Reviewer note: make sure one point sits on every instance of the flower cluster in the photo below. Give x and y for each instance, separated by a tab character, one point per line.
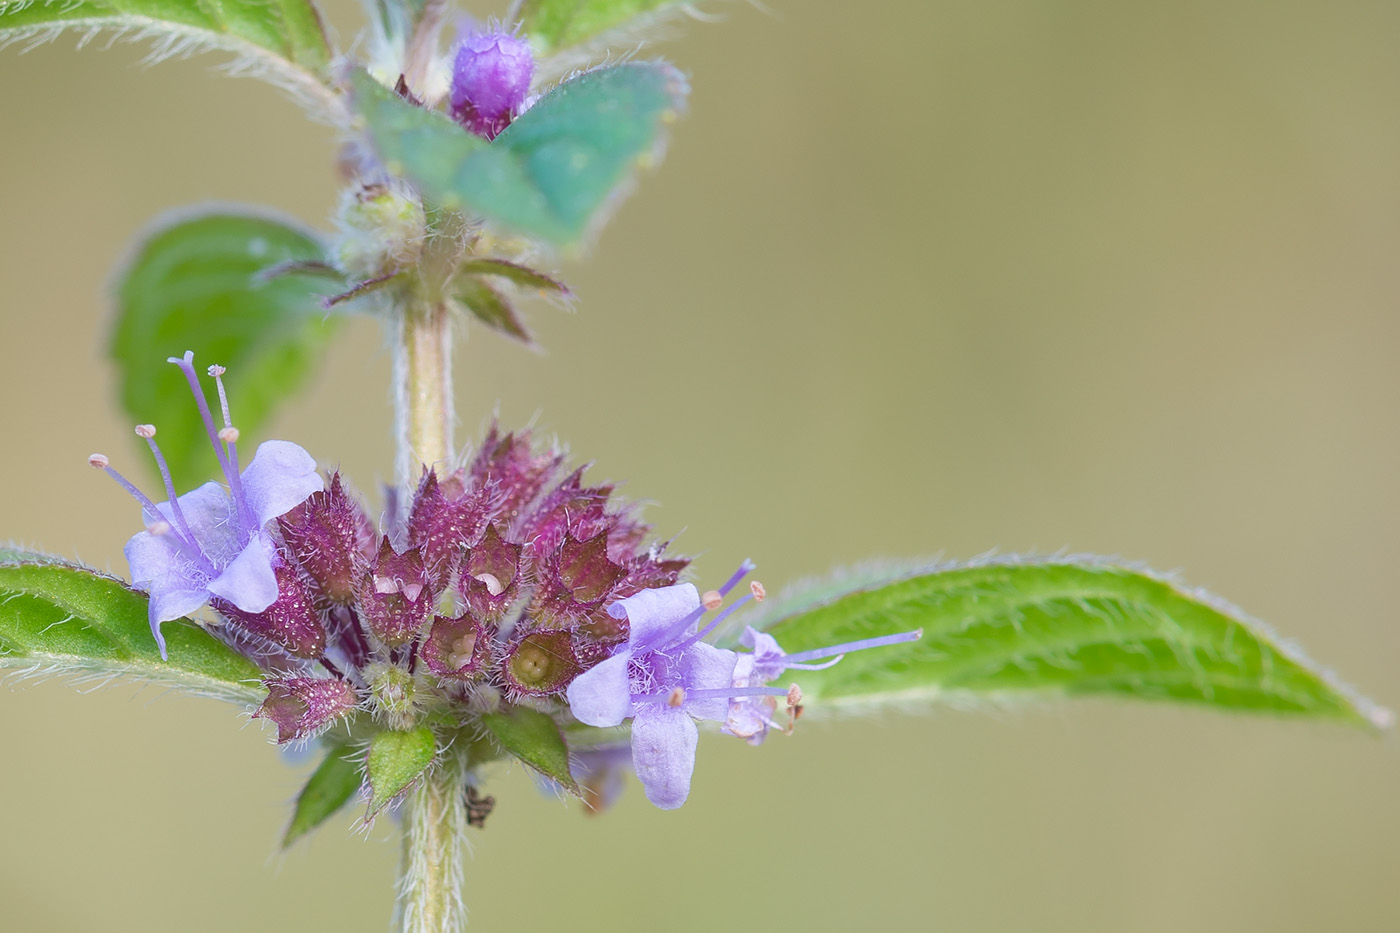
506	582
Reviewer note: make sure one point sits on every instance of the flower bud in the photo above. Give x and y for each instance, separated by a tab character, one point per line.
491	75
302	706
381	231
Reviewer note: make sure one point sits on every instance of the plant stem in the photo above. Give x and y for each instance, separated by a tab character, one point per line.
423	374
434	850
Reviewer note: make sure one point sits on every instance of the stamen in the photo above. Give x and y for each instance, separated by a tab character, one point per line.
228	462
99	461
714	623
711	600
758	591
156	529
719	693
744	570
818	653
677	698
794	696
147	506
229	435
148	433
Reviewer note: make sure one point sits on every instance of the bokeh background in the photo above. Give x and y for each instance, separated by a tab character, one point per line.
914	279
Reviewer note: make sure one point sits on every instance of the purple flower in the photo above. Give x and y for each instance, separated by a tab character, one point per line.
663	679
751	716
491	74
213	541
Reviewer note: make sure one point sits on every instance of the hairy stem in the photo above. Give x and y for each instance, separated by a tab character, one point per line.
423	373
434	850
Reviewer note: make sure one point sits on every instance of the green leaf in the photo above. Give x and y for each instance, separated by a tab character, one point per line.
492	308
517	274
195	284
330	787
1007	628
555	24
264	31
395	760
63	618
553	173
535	739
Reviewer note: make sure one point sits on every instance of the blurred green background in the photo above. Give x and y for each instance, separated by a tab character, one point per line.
914	279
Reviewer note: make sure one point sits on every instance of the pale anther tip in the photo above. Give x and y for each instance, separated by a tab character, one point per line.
216	371
229	435
711	600
158	528
794	695
99	461
676	698
758	591
147	431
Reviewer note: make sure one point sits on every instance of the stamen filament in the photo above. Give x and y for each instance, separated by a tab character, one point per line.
186	364
148	433
714	623
745	568
714	694
818	653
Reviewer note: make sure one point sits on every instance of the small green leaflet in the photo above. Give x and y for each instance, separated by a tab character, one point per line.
268	30
556	24
395	761
1008	628
535	739
194	284
328	789
66	619
556	171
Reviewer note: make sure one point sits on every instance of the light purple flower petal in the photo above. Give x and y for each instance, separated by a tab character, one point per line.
600	695
663	752
209	510
281	476
705	667
249	581
652	612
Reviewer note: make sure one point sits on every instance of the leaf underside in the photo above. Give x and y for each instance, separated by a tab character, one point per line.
59	618
556	171
330	787
557	24
287	29
535	739
395	761
195	284
1011	628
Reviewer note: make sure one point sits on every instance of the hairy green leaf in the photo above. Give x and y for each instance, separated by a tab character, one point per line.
556	24
396	759
329	788
64	619
552	174
1071	627
195	284
535	739
492	308
283	36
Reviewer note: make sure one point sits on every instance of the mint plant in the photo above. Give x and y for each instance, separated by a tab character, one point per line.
502	607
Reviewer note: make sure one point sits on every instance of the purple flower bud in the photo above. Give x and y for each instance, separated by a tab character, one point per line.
303	706
491	75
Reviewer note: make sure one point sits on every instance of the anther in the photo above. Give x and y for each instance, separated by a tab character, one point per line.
216	371
158	528
712	600
98	461
147	431
676	698
758	591
794	697
229	435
